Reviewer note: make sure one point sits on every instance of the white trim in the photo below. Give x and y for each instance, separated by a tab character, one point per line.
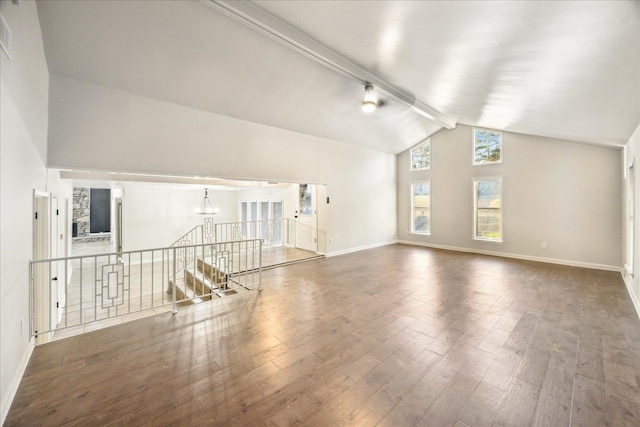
629	217
485	239
15	382
635	299
629	269
517	256
473	147
360	248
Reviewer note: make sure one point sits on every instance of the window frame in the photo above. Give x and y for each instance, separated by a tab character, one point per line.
473	147
411	209
415	147
475	209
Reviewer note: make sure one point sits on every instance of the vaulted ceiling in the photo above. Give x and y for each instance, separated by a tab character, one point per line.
567	70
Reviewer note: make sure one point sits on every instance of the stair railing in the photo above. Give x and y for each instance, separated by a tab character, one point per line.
273	232
101	287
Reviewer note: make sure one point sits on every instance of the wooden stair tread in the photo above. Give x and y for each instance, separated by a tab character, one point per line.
199	276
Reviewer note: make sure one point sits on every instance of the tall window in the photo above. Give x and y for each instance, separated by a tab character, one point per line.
100	211
421	156
487	146
421	207
487	223
631	210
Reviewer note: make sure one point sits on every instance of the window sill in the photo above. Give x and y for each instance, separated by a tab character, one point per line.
487	163
480	239
419	234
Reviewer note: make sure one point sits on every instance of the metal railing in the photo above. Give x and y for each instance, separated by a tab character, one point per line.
273	232
105	286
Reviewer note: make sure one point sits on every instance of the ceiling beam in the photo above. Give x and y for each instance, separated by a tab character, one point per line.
258	19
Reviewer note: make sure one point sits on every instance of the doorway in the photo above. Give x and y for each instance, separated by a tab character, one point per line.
44	292
307	221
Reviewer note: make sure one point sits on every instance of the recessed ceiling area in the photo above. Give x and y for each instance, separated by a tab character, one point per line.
115	180
568	70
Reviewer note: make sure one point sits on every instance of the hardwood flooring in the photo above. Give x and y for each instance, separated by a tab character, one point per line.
147	284
394	336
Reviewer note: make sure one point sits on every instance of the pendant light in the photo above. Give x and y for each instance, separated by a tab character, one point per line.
206	208
369	103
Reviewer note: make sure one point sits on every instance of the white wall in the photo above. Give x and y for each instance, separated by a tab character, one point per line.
93	127
23	150
563	193
631	154
155	216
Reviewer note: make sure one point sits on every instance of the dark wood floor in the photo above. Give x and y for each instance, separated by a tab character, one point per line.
395	336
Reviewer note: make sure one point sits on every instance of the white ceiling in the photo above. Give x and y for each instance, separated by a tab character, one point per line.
96	179
568	70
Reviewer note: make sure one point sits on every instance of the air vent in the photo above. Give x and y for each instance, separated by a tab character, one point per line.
5	36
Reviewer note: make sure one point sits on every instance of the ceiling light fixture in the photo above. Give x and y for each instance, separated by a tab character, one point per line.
369	103
206	208
270	26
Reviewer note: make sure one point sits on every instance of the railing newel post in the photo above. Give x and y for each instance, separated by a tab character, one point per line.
260	268
174	290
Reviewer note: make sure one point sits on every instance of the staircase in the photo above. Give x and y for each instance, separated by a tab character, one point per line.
202	283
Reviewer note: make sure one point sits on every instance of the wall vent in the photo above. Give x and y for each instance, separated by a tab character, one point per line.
5	36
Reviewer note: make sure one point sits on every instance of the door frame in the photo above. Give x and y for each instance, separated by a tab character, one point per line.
40	289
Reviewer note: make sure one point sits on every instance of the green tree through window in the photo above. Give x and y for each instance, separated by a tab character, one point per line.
487	146
421	156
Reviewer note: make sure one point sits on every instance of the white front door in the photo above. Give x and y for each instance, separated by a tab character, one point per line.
306	223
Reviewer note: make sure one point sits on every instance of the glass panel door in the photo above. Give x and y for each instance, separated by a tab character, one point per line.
276	217
264	222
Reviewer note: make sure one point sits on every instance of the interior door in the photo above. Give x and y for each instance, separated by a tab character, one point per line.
42	298
56	315
265	226
253	220
306	223
276	218
63	272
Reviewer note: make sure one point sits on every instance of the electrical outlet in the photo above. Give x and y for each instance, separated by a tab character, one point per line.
543	245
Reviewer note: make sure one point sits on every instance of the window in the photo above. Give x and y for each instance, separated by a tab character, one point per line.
487	221
305	199
631	208
487	146
421	207
100	211
421	156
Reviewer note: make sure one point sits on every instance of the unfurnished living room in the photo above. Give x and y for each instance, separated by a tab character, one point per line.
393	213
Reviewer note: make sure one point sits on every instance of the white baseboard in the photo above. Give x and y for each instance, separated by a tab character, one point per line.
360	248
517	256
635	299
15	383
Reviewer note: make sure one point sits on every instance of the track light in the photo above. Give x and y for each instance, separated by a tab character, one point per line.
369	103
